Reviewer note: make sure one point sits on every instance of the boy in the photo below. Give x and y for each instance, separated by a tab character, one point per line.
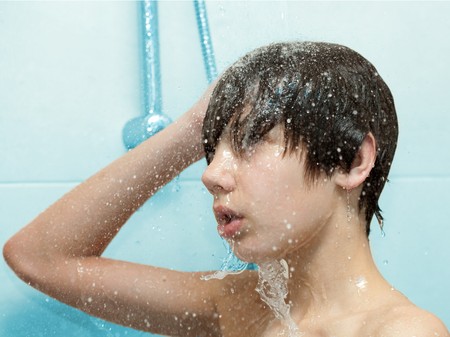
299	139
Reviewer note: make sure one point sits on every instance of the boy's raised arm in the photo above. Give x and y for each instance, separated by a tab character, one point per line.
59	251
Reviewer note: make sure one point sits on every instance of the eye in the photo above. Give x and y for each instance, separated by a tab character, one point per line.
250	151
275	135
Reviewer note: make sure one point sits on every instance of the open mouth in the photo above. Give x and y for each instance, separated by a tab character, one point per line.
225	215
229	222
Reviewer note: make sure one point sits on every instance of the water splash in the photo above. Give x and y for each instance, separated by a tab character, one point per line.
361	283
272	288
230	265
102	326
176	186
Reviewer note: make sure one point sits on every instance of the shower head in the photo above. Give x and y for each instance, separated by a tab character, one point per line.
138	129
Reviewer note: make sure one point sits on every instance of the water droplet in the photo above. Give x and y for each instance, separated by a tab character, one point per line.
361	283
230	265
222	10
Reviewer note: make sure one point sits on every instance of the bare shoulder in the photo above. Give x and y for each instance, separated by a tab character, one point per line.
241	311
410	321
238	289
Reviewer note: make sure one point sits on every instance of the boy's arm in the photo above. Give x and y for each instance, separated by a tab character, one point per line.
59	251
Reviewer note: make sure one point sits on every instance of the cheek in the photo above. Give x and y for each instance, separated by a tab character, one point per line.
299	208
275	185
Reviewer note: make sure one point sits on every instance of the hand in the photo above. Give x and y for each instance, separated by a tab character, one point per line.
191	122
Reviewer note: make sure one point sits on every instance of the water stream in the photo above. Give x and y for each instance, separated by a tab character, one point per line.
272	286
273	290
230	265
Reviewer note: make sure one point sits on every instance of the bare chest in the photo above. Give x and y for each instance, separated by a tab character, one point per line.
262	323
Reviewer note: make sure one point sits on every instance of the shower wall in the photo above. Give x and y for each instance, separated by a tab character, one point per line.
70	79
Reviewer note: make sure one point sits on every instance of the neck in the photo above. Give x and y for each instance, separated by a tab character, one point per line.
336	275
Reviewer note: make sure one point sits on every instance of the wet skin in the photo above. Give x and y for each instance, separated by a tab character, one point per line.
278	210
60	251
335	288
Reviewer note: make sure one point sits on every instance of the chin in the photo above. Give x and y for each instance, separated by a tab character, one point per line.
256	253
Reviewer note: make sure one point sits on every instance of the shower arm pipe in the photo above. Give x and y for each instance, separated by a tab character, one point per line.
153	120
151	60
205	40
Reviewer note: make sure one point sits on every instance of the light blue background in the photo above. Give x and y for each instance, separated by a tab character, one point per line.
70	80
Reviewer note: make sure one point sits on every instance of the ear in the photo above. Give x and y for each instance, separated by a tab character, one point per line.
361	166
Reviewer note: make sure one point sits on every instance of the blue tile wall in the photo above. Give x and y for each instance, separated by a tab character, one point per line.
70	79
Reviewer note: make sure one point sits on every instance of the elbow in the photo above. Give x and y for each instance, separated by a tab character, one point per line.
38	268
10	253
13	256
21	260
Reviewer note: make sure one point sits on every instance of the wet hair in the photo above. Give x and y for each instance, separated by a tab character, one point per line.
326	96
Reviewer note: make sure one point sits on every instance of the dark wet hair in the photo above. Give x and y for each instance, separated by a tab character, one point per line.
326	96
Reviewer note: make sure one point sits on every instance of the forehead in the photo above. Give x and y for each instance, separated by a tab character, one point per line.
276	133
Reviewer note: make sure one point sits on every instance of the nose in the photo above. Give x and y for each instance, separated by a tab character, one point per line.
219	176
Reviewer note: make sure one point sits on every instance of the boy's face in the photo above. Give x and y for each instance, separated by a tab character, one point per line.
262	201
